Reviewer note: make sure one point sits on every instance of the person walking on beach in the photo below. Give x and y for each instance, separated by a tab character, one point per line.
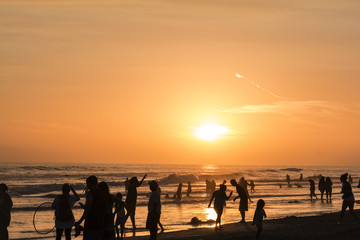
259	215
131	199
328	188
120	216
188	191
301	177
94	212
179	193
220	199
359	184
322	187
110	200
154	210
64	217
312	189
348	198
5	208
243	206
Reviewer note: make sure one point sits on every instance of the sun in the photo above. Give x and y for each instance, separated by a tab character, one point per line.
210	132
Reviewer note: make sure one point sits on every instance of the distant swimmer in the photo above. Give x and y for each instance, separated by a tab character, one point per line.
312	189
252	186
189	190
350	179
179	193
288	180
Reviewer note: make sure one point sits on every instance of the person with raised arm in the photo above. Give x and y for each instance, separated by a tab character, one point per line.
131	199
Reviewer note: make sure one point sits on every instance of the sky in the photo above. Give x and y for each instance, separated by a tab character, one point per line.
129	81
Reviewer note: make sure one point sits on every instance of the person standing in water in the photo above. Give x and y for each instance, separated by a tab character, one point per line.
64	217
243	206
131	199
259	215
328	189
188	191
179	193
322	187
348	198
5	207
312	189
154	210
220	199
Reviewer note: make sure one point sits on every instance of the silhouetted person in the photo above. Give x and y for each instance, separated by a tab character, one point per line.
64	217
131	199
288	180
109	229
322	187
207	182
312	189
328	188
359	184
127	182
154	210
188	191
5	207
301	177
120	216
94	212
350	179
243	206
213	186
179	192
244	184
161	226
220	199
348	198
252	186
259	215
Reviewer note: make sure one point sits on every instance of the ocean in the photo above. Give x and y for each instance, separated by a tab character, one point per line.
32	185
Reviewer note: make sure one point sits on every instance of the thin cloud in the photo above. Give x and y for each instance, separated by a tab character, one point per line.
260	87
292	107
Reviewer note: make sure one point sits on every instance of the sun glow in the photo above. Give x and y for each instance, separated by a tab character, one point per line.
210	132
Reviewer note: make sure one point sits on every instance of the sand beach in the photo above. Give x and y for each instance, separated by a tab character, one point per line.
317	227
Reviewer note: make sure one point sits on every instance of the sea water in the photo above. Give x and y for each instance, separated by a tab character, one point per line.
31	185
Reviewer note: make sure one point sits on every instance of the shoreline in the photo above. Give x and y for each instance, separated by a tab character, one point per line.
319	227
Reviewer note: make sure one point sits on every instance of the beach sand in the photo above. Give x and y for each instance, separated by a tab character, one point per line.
317	227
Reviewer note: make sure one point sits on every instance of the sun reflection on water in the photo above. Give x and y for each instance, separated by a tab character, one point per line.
209	168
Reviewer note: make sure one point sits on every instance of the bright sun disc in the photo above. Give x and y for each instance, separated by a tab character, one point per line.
210	132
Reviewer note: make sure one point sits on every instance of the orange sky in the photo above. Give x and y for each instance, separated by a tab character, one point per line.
127	81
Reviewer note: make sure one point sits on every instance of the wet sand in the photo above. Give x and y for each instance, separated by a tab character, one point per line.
318	227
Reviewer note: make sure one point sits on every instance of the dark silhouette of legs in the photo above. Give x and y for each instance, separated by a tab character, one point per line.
259	229
242	212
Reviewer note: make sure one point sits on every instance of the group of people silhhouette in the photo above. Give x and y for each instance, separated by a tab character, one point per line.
98	215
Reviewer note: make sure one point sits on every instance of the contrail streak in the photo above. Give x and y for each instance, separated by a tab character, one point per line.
262	88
